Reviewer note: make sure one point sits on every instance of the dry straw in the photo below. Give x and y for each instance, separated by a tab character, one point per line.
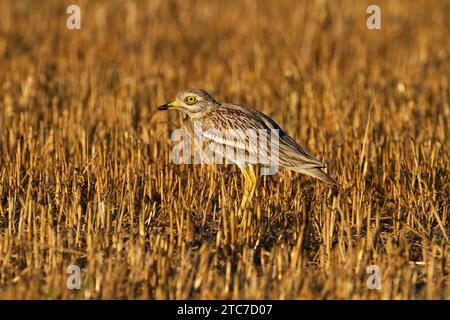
86	175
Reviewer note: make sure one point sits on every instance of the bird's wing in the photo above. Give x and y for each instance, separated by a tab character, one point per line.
290	152
242	119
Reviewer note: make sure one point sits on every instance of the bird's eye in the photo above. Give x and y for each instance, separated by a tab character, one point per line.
191	100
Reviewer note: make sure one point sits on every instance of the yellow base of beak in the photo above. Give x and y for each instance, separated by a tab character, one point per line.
168	106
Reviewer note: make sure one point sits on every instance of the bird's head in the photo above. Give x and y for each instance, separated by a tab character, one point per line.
193	102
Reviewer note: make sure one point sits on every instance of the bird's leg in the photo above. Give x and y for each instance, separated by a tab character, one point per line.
249	189
247	186
253	181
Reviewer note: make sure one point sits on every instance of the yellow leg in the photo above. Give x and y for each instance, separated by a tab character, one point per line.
246	193
249	189
253	181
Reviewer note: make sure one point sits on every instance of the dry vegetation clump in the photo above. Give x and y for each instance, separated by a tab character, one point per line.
86	175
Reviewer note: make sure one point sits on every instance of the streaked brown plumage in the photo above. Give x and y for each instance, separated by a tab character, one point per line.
216	118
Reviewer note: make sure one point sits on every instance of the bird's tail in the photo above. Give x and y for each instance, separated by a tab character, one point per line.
317	173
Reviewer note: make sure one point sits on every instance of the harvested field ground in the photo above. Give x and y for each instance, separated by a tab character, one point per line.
86	176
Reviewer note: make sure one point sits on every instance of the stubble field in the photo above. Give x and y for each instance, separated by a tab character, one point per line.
86	176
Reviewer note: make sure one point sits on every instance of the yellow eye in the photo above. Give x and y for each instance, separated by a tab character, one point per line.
191	100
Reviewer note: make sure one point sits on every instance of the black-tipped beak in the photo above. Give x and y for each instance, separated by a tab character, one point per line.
167	106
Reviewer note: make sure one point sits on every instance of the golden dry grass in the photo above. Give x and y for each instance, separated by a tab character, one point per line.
85	160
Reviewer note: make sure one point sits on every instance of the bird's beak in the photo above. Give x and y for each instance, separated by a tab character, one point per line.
169	106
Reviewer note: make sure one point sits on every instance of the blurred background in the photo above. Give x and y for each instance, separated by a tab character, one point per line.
86	176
